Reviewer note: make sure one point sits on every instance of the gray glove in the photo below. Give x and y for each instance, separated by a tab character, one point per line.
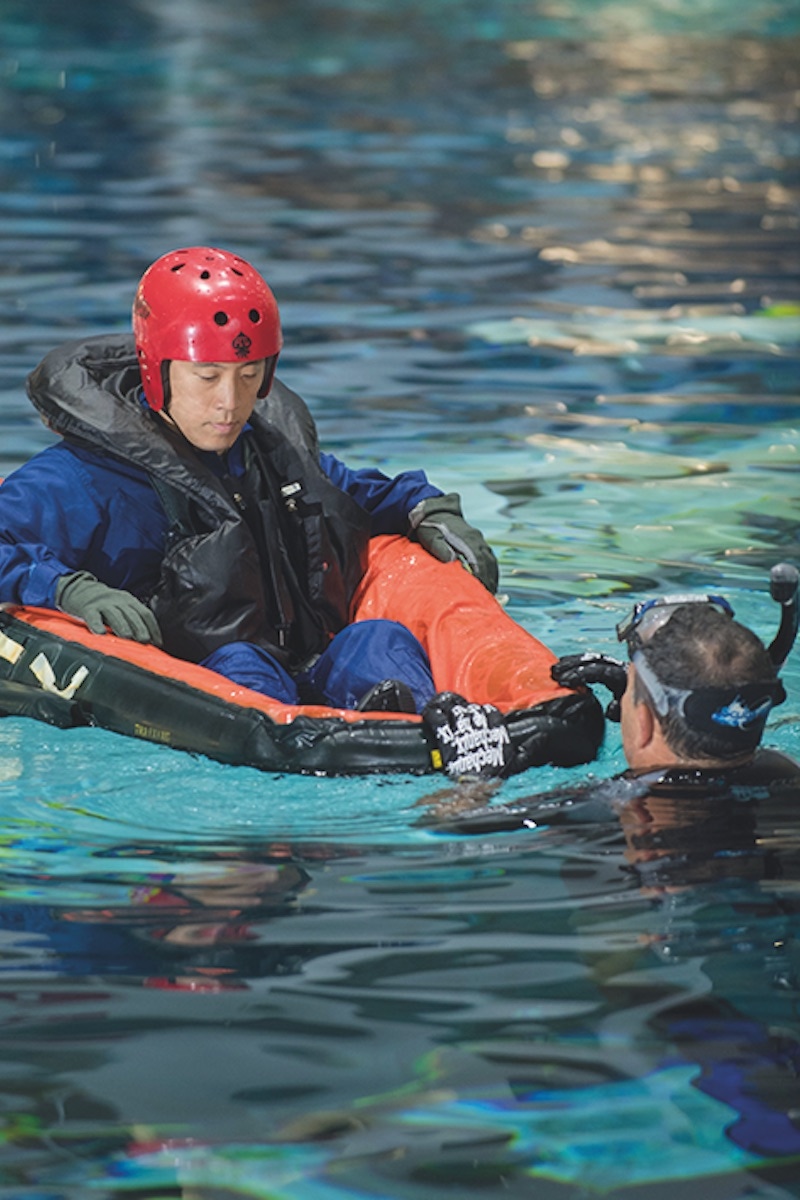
438	524
83	596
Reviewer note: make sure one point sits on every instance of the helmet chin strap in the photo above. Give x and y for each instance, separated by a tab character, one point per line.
165	383
167	387
269	374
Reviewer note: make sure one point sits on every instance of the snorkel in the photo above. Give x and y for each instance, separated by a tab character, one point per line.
783	584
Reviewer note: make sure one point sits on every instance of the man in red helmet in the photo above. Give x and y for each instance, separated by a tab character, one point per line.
188	503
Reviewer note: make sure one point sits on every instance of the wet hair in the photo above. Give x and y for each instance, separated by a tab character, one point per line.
706	652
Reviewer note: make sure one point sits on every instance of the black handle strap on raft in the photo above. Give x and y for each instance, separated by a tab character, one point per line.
783	584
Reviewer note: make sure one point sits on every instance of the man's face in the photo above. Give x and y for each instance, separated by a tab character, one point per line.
211	402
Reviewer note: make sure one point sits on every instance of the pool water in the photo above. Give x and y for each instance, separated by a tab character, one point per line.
547	251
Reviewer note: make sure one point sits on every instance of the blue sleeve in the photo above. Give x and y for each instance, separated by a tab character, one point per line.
45	526
67	510
387	500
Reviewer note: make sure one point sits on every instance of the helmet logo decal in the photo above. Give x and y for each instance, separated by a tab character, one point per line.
241	344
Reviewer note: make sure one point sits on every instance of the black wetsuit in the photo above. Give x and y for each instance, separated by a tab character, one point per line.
769	773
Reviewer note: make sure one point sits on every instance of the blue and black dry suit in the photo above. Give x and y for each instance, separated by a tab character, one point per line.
249	560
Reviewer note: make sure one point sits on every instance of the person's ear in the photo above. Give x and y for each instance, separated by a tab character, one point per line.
639	725
647	725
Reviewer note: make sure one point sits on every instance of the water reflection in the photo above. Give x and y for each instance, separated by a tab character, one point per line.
606	997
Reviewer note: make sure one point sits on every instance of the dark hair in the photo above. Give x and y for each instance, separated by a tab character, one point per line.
701	647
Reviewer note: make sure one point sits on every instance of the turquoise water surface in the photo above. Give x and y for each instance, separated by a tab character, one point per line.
546	251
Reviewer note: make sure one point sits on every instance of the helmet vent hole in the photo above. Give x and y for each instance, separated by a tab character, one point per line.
235	272
178	267
254	315
205	274
221	318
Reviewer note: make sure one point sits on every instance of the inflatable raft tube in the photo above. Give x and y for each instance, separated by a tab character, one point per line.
54	670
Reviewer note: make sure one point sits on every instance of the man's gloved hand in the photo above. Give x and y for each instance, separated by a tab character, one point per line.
83	596
579	670
438	524
470	739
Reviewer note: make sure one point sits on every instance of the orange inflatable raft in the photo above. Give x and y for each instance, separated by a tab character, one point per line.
54	670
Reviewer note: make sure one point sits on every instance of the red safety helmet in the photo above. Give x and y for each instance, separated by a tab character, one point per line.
202	305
